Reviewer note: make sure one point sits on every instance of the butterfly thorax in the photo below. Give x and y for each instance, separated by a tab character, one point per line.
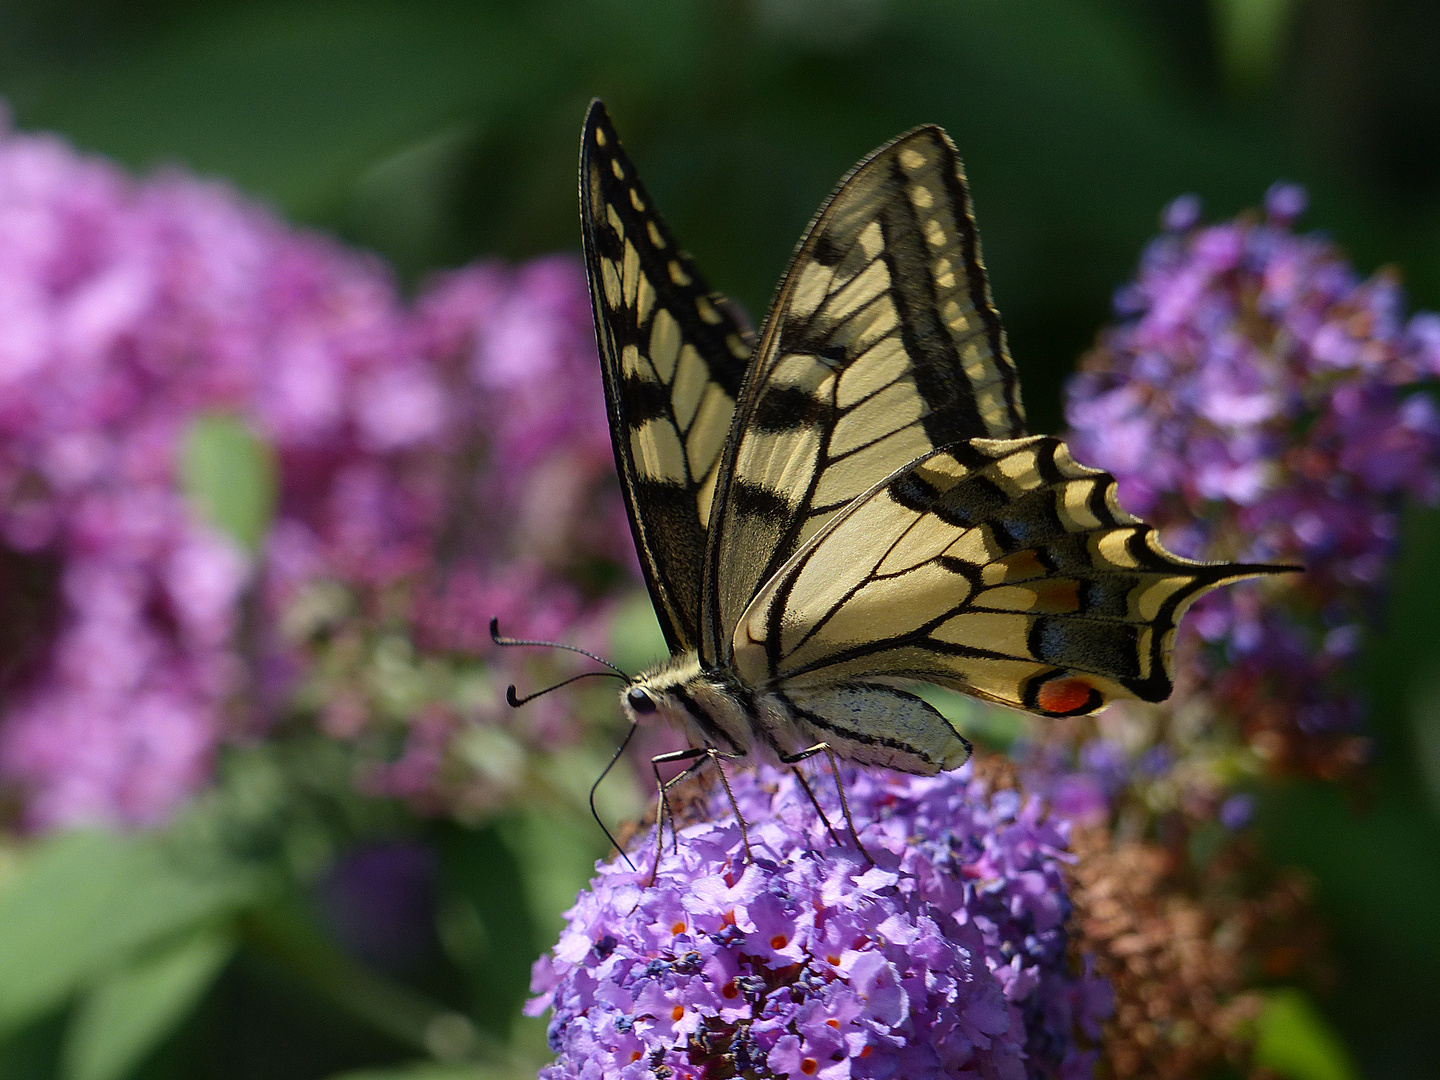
710	707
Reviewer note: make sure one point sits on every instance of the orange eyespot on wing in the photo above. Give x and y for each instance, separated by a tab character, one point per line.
1064	696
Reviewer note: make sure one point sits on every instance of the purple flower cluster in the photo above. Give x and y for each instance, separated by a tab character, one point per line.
125	311
509	509
947	957
439	462
1258	400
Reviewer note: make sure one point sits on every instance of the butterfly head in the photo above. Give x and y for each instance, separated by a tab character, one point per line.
668	692
702	705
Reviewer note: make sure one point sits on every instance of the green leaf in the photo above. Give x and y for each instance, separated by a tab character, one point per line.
84	902
1296	1042
292	101
558	858
284	932
34	1050
1425	730
486	924
402	204
229	476
125	1015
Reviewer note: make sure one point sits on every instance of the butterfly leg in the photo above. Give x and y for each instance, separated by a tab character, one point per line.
697	756
810	794
824	748
715	756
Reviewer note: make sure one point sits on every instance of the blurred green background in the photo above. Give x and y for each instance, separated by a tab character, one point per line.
436	132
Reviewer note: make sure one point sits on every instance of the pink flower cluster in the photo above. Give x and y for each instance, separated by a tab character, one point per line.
130	310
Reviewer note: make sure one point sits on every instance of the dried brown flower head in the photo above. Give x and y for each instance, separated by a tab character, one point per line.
1186	950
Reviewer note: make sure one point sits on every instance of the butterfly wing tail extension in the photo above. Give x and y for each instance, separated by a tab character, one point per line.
1076	690
1115	637
1084	590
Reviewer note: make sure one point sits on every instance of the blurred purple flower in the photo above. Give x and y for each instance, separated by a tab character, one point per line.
432	458
1259	401
1237	811
1284	202
947	958
125	311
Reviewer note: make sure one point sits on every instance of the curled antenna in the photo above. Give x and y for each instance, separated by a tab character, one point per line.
507	641
595	786
515	701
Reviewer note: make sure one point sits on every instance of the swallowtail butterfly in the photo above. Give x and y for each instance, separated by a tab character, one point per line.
847	504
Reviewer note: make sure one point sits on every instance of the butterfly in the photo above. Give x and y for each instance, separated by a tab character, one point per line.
846	504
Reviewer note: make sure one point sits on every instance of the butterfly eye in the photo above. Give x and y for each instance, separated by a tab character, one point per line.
640	701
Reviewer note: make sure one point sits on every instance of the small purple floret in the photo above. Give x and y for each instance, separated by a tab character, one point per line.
1182	214
1237	811
1285	202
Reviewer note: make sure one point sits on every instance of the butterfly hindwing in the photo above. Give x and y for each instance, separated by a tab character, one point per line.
998	567
674	355
882	345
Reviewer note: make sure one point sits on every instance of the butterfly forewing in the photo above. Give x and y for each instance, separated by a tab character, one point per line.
674	355
881	346
998	567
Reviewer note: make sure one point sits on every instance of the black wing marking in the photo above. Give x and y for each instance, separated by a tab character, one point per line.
674	355
1001	568
882	345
